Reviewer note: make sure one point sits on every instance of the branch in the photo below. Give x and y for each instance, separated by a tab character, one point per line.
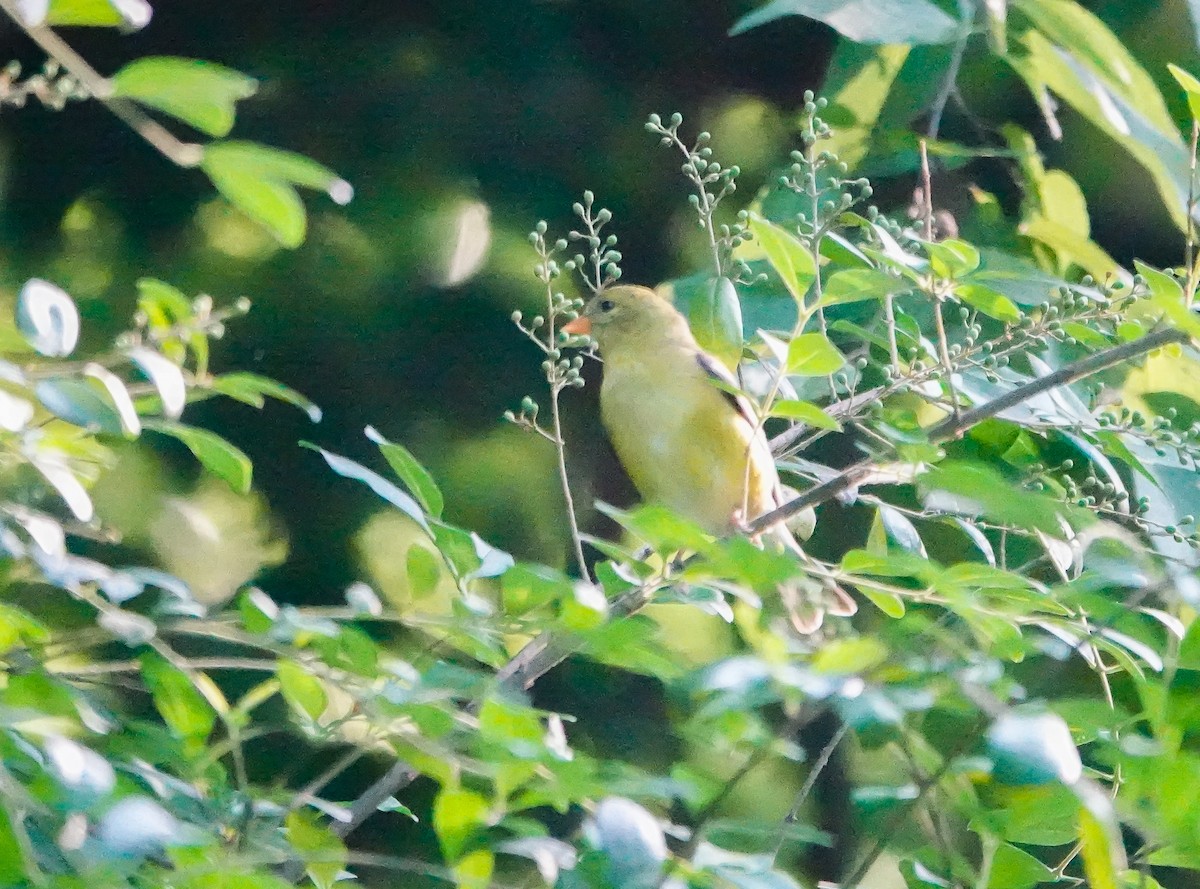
954	426
183	154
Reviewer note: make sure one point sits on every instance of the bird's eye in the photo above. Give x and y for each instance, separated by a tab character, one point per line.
606	305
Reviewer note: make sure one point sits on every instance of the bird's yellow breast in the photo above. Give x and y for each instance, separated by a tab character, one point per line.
682	442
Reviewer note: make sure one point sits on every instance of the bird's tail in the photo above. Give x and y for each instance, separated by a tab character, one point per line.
811	596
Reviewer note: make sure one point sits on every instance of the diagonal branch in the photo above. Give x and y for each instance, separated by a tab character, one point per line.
183	154
954	426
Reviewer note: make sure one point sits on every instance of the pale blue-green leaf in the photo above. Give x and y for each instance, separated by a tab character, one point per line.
631	839
47	318
1032	748
863	21
77	401
137	826
166	377
347	468
415	476
131	423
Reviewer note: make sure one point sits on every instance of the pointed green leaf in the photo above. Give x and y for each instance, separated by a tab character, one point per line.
202	94
217	455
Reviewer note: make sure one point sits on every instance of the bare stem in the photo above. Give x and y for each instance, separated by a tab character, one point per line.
1193	267
561	451
183	154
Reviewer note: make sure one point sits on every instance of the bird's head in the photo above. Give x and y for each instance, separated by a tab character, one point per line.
627	314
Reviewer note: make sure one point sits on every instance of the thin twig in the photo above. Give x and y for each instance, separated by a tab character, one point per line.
183	154
809	783
1193	268
966	28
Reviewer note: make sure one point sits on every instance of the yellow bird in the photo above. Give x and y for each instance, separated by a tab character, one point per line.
686	443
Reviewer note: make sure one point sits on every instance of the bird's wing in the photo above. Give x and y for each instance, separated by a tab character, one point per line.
726	385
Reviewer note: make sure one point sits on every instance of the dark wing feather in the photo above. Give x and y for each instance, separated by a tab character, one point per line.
725	384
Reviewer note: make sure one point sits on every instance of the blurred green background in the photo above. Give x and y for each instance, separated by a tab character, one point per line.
460	124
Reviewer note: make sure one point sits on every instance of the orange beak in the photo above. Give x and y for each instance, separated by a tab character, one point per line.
581	326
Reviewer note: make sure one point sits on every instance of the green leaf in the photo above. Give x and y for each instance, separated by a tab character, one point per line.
1100	842
179	703
952	258
855	285
252	389
526	587
349	469
813	355
415	476
715	316
863	21
457	815
790	259
858	80
1087	254
1032	748
1191	86
301	689
1085	65
806	412
261	182
1014	868
854	655
202	94
1166	299
214	453
133	14
391	804
978	489
323	854
993	304
423	571
79	402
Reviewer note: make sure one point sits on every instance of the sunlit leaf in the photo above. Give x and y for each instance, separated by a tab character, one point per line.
203	94
377	483
181	705
47	317
864	21
261	182
790	259
130	14
166	377
415	476
301	689
813	355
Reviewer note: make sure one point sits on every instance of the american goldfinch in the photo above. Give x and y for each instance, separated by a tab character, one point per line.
686	442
